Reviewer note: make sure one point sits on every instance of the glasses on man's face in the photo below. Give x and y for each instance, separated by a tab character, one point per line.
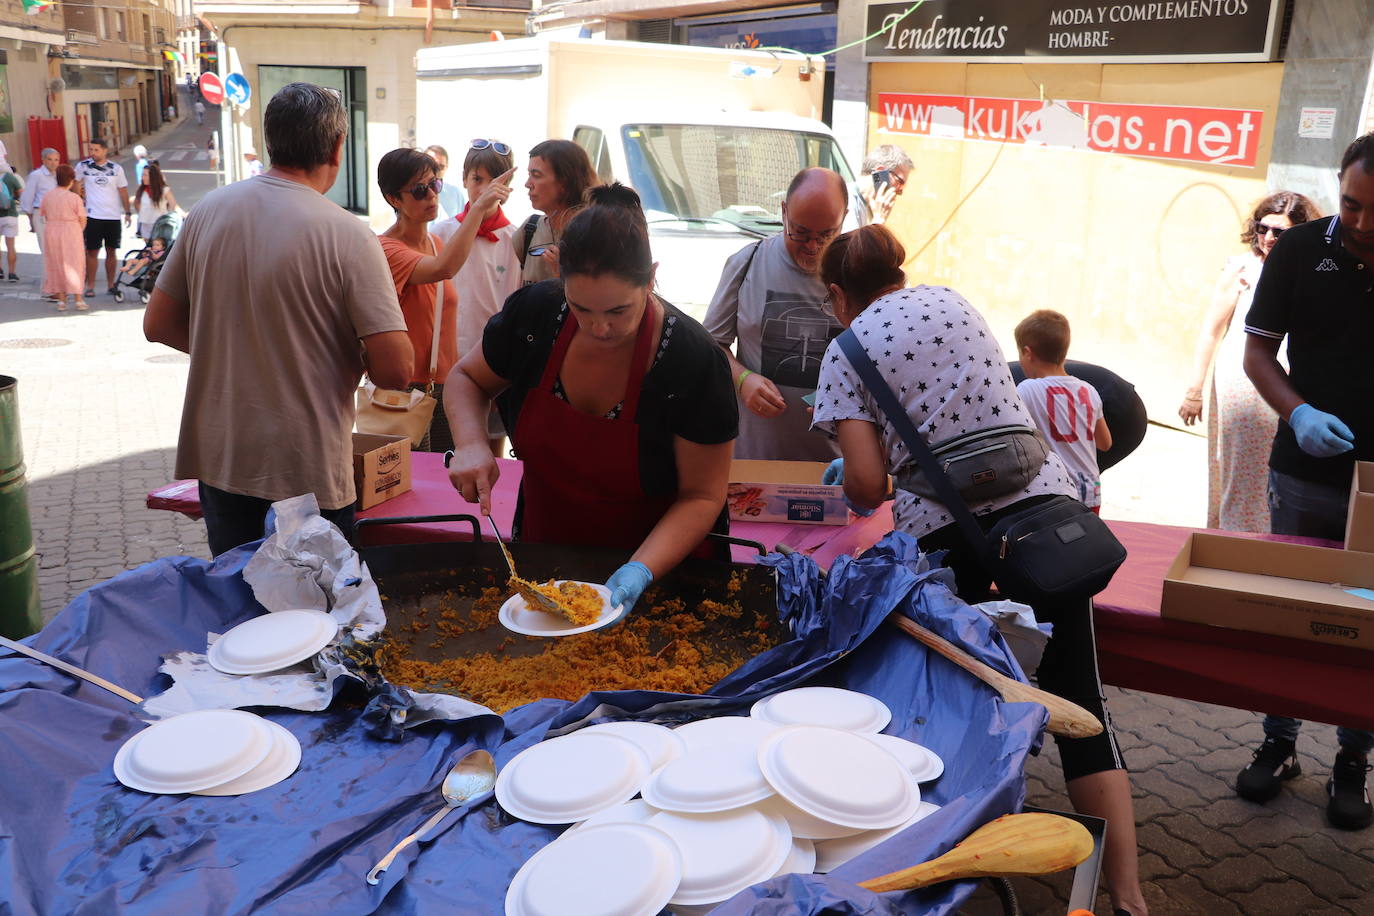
421	191
1261	229
808	236
501	148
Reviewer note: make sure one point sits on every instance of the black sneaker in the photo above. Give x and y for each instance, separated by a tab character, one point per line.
1275	761
13	278
1347	805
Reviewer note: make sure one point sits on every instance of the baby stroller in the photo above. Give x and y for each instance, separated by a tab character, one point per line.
142	278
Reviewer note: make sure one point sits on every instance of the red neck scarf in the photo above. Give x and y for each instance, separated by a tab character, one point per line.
489	225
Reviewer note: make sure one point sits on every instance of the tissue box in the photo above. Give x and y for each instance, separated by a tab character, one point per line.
784	491
381	467
1272	587
1359	523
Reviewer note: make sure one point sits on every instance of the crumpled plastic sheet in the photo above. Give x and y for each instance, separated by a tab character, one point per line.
73	840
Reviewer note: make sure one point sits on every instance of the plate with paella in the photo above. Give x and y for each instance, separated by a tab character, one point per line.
582	607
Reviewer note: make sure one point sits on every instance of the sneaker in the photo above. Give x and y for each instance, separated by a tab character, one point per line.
1347	805
1275	761
90	291
13	278
111	290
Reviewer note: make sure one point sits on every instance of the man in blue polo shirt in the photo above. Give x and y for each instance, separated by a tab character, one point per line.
1317	289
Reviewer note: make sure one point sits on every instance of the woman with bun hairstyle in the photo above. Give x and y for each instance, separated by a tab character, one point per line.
620	406
944	366
559	174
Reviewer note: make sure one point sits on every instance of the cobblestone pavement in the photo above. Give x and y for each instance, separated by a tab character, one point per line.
100	414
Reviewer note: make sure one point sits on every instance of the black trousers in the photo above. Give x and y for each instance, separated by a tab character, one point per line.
232	519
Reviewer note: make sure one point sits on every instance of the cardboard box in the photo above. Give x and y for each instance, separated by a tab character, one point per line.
1359	523
784	491
1272	587
381	467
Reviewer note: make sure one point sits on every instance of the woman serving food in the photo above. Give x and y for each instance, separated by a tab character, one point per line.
620	406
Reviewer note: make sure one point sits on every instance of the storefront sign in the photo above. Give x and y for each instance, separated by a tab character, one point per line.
1079	30
812	34
1215	136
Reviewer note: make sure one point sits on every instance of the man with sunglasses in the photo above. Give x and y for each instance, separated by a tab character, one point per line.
770	316
1317	289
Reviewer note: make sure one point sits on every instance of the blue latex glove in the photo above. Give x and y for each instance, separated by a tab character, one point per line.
834	473
1320	435
627	583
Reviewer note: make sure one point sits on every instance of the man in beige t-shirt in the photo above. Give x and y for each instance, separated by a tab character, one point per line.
270	288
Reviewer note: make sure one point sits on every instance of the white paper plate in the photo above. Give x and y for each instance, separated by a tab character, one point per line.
610	870
724	853
831	854
281	761
712	779
804	826
193	751
568	779
662	745
923	763
273	641
705	733
518	617
831	707
634	811
801	860
839	776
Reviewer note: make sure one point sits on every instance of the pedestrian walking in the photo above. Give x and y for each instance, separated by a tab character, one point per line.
280	317
9	218
64	223
152	200
40	181
212	150
102	183
200	111
140	163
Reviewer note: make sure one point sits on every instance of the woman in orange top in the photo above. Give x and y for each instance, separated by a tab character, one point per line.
420	262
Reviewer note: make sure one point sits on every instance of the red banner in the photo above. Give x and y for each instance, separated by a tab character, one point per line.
1216	136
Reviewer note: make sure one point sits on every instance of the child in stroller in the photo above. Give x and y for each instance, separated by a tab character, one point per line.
140	268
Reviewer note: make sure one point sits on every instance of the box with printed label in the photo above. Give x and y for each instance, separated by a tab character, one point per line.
381	467
784	491
1317	593
1359	523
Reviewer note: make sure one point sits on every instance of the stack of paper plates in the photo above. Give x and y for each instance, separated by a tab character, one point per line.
273	641
662	745
212	752
568	779
608	870
831	854
828	706
839	777
716	778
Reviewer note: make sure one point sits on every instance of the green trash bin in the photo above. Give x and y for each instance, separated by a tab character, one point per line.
20	612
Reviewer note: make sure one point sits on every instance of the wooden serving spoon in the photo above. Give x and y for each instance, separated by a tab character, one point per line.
1067	719
1014	844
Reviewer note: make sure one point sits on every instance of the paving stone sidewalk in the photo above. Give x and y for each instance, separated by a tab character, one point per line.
100	414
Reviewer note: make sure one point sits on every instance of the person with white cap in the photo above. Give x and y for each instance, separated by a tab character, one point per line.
141	152
250	155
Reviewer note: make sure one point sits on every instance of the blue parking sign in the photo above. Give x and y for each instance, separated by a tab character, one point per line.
237	89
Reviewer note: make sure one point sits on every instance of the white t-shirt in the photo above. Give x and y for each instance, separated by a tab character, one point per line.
1066	410
489	275
939	358
104	186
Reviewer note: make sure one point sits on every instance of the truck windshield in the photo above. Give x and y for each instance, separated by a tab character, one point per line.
713	172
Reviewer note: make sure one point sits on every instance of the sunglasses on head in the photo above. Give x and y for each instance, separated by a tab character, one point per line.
1262	229
501	148
421	191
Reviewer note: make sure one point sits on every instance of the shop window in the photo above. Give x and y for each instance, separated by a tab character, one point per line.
350	191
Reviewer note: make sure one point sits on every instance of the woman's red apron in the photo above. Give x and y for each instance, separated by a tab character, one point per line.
581	480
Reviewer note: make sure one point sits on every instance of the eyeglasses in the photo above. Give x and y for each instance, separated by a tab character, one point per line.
501	148
807	237
1261	229
421	191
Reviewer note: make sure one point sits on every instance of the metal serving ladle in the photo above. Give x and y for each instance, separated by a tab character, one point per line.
470	777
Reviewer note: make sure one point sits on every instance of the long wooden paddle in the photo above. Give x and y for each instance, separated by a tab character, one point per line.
1014	844
1067	719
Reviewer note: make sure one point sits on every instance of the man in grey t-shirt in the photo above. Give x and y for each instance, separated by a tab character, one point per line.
272	313
770	306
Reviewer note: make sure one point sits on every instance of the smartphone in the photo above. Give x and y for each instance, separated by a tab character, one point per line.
809	399
881	179
535	251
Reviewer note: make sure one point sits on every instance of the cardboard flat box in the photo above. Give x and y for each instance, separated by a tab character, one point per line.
784	491
1272	587
1359	523
381	467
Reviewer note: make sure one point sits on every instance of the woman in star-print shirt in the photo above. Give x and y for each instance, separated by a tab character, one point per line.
940	359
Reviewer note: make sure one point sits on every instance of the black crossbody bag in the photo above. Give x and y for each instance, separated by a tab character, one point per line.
1055	550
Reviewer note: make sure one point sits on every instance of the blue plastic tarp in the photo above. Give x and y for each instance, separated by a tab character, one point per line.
74	840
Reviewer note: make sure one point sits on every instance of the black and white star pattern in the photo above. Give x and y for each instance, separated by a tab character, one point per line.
963	371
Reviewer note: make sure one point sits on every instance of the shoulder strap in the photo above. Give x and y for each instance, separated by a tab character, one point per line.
915	444
438	319
531	225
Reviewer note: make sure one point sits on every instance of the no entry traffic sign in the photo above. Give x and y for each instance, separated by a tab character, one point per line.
212	88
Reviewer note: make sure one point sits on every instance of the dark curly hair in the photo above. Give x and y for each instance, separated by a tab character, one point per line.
1296	207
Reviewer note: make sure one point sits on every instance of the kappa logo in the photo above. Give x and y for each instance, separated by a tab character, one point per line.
1328	264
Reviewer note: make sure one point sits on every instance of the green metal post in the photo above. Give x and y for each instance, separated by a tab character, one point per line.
20	612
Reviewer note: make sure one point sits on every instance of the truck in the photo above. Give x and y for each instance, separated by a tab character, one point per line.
709	138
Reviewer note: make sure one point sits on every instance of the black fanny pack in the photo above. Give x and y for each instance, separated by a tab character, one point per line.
982	465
